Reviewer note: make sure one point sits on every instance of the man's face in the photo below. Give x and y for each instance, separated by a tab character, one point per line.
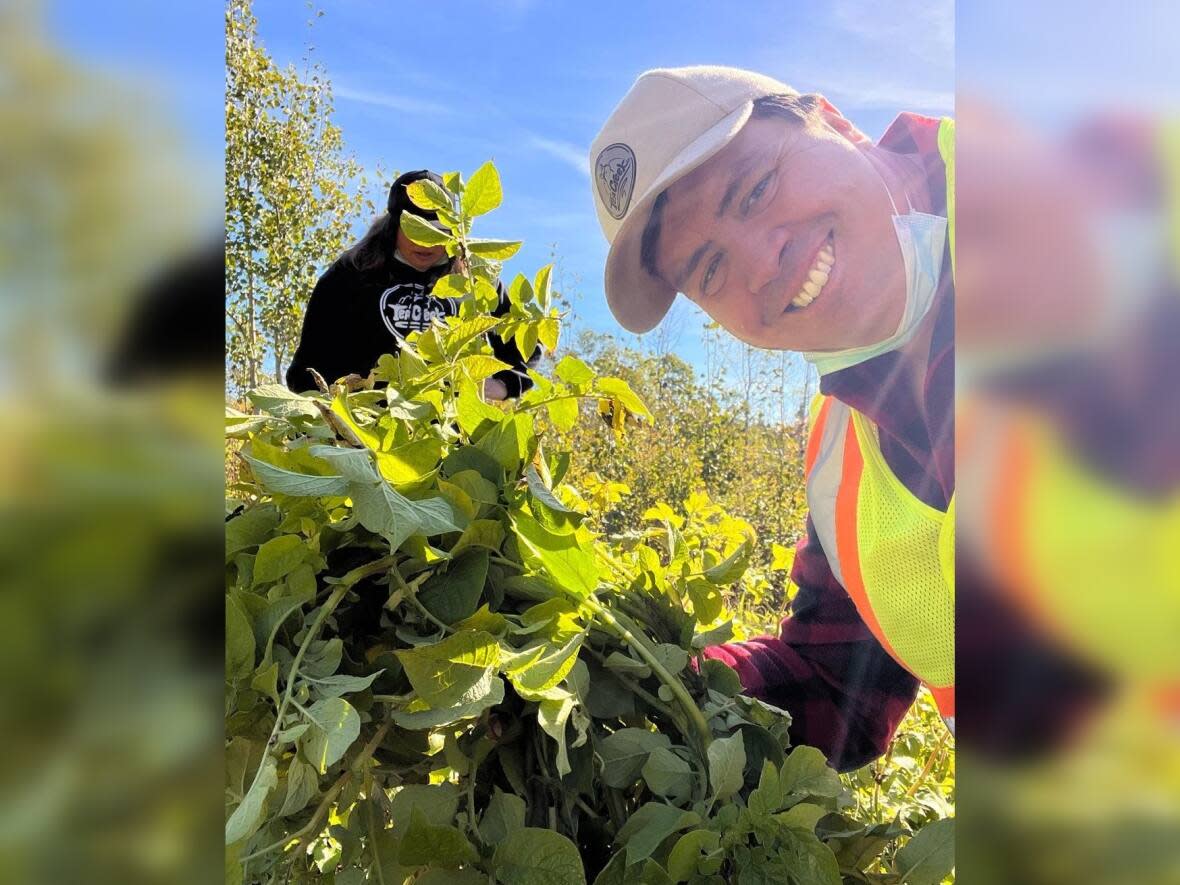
418	257
785	238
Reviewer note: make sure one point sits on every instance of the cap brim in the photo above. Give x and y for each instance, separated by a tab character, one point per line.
637	299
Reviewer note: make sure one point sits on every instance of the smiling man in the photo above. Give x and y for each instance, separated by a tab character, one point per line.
794	231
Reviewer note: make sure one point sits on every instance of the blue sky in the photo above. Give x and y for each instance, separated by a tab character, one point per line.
528	83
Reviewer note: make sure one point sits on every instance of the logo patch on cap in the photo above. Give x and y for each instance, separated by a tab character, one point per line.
614	171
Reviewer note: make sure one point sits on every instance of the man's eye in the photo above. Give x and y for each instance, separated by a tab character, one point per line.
710	273
757	192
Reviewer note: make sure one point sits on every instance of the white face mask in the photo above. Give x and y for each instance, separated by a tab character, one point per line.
397	253
922	238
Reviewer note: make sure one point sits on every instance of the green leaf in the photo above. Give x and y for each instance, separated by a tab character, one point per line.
277	400
266	680
618	389
802	817
509	441
250	528
426	843
247	817
732	567
461	334
721	633
480	366
302	785
549	333
552	715
682	859
538	668
454	594
929	856
410	463
451	285
806	773
498	250
625	752
438	803
483	192
453	182
707	602
239	640
667	774
673	657
453	672
335	725
650	825
727	761
423	232
487	533
418	716
532	856
425	194
573	372
782	558
568	560
542	286
544	494
279	480
563	413
474	415
278	557
365	433
335	686
503	816
721	677
526	337
811	861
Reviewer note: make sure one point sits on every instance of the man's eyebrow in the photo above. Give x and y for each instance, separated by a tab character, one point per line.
686	274
735	185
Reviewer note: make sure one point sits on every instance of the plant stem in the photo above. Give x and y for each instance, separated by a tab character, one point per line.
346	584
412	595
696	718
930	760
313	825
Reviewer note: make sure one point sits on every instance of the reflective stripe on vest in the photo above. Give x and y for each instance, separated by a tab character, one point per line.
891	552
1053	529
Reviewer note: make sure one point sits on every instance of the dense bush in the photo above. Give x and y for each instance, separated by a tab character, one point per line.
438	671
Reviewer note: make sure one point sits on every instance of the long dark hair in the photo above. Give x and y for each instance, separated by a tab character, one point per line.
373	252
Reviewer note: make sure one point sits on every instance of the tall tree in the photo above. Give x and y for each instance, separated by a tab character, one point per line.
292	196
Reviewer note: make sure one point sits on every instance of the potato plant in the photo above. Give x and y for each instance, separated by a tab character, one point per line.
437	673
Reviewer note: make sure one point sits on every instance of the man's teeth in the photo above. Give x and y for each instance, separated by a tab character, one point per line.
817	277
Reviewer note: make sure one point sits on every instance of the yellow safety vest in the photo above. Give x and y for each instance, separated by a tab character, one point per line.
892	553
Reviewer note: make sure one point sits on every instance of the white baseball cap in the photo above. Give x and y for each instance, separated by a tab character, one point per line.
671	121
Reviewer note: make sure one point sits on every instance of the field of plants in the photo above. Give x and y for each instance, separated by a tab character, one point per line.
457	651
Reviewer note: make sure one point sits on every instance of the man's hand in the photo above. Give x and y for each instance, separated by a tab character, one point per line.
494	389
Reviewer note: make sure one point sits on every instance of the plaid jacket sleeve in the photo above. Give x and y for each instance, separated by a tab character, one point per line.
845	694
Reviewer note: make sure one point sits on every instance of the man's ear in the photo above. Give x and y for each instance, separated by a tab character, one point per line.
831	115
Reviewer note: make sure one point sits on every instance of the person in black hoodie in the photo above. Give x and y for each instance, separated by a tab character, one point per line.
378	292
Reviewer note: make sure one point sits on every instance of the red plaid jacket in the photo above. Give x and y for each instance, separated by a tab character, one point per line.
844	693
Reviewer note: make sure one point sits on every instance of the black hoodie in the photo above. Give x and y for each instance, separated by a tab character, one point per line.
354	317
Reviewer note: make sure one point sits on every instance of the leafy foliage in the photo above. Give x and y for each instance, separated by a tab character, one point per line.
439	671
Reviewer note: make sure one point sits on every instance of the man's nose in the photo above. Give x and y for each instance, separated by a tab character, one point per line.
760	252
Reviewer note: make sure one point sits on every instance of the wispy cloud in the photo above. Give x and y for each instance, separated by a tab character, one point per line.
570	154
853	94
391	101
923	28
